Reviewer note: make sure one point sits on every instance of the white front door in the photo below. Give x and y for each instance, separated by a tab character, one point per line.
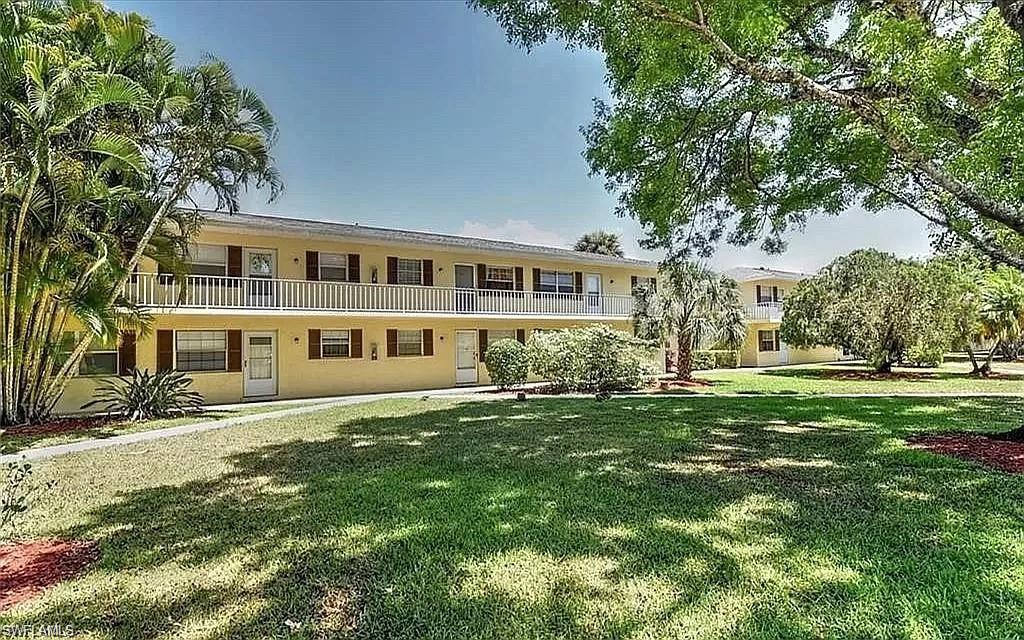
465	357
260	268
260	363
594	292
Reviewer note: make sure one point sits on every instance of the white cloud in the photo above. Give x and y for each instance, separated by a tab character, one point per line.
514	231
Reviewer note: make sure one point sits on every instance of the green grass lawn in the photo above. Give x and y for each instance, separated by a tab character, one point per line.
952	377
639	517
43	438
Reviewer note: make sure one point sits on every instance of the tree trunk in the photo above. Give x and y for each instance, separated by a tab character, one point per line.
884	367
684	360
975	369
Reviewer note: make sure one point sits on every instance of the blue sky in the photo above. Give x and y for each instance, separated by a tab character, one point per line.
421	115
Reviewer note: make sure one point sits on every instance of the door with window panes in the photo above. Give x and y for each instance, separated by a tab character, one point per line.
260	271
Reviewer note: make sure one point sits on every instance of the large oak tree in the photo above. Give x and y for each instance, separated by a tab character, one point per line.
738	119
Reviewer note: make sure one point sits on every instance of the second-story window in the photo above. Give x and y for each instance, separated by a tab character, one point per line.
208	260
500	278
769	294
410	271
334	267
556	281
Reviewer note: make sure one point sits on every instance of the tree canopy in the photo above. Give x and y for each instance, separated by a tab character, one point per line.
738	119
602	242
104	141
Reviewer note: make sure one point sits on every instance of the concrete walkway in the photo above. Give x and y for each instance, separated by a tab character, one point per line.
308	405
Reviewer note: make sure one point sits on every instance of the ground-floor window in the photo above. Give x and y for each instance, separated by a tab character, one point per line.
410	342
767	340
493	335
335	343
201	350
100	358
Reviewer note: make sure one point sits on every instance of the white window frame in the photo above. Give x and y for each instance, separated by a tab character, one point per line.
178	350
341	334
503	283
223	264
344	266
407	333
75	336
557	287
401	270
775	341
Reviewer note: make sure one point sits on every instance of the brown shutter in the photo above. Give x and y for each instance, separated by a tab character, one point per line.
392	270
312	265
519	278
428	342
632	283
392	343
757	293
353	267
355	341
778	343
481	276
481	336
164	349
126	353
234	261
536	279
234	349
521	335
775	294
428	273
313	337
577	280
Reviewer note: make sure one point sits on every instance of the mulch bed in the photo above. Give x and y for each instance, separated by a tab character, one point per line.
669	385
59	425
995	451
30	566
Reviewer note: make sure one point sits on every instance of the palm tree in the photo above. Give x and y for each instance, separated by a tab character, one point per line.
694	305
102	140
602	242
1002	310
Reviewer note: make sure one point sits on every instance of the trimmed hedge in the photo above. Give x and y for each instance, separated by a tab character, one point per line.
508	363
716	359
593	358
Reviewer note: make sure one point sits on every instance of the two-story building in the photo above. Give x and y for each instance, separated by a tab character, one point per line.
287	308
764	292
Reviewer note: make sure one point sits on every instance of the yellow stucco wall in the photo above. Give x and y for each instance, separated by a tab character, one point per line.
300	377
751	357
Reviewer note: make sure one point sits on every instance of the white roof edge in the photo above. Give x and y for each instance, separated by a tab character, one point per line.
303	226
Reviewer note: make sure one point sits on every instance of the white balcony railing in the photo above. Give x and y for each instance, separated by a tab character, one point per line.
765	312
159	291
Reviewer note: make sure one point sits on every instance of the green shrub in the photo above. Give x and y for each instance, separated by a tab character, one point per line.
924	354
594	358
703	360
145	395
508	363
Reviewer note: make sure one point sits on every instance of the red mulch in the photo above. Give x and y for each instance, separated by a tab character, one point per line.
58	425
991	451
30	566
668	385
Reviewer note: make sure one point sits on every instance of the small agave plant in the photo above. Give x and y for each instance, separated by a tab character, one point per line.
144	395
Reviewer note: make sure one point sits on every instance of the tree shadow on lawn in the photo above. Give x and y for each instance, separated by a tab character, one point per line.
572	518
846	372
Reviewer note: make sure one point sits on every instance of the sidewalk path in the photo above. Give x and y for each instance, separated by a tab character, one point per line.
41	453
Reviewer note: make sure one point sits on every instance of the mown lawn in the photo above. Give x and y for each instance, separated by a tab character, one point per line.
639	517
952	377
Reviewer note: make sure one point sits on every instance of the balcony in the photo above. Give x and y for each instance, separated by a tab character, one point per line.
765	312
226	295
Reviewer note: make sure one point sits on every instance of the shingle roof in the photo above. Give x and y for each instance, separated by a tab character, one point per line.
746	274
383	235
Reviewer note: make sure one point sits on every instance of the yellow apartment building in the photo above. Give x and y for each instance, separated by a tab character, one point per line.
764	292
287	308
278	307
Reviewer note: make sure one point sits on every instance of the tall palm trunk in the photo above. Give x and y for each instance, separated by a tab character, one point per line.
684	359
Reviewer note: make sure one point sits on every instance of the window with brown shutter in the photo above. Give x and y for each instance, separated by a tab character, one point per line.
428	273
392	341
312	265
519	278
313	337
392	269
428	342
164	349
126	353
355	343
353	267
234	350
234	261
